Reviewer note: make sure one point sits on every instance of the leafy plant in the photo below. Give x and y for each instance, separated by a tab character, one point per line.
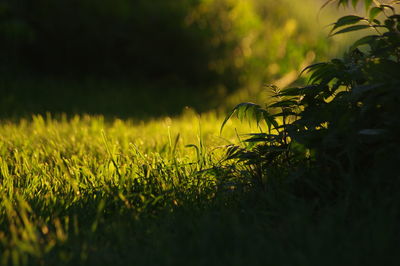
345	122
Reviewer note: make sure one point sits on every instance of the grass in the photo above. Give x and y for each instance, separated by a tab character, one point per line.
63	178
90	191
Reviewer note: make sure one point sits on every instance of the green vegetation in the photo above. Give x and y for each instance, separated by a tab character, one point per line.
344	123
315	183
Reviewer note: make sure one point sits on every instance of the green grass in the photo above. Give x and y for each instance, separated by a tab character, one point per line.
65	179
90	191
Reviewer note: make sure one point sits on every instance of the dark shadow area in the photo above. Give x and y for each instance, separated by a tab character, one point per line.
121	98
239	230
117	58
139	58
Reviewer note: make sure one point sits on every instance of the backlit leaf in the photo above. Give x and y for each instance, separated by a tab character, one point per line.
373	12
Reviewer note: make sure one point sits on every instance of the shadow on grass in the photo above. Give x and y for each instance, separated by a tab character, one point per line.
249	230
125	98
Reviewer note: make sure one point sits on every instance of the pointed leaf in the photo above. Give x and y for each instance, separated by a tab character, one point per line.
352	28
312	67
373	12
270	121
322	73
226	119
250	110
346	20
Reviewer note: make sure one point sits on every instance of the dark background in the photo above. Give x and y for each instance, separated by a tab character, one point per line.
140	58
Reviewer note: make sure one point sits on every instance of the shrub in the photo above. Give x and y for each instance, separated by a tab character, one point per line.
339	133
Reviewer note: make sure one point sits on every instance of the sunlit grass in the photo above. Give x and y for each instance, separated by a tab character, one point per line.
60	177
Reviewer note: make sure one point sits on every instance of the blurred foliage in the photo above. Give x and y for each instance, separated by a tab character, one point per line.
208	46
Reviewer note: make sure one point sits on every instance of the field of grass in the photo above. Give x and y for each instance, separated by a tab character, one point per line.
89	191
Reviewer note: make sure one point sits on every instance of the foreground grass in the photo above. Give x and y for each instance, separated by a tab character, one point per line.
89	191
64	180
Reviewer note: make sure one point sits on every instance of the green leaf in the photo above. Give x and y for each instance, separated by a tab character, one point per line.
346	20
352	28
249	110
374	12
354	3
325	72
313	67
364	40
241	112
270	121
256	140
230	114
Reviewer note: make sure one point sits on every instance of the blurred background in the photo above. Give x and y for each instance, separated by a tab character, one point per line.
140	58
